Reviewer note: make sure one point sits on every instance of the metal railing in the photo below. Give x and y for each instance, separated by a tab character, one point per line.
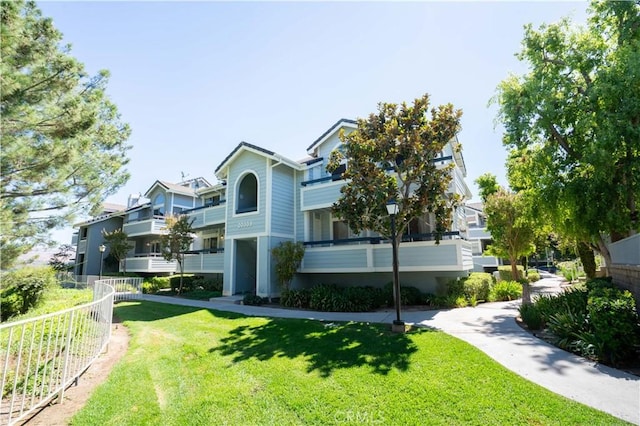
41	357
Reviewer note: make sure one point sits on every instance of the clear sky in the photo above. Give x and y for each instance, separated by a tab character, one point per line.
195	79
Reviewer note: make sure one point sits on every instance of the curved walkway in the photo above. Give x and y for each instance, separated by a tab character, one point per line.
491	327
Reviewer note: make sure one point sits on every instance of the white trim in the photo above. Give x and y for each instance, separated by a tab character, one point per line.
339	125
268	195
248	236
235	194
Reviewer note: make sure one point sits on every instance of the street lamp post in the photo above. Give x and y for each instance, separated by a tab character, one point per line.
102	248
398	324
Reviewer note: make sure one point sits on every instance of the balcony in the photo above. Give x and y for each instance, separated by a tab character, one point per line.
204	261
147	226
150	262
208	215
478	234
374	255
320	193
486	261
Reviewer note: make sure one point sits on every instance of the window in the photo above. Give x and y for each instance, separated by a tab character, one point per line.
158	205
340	230
247	194
212	201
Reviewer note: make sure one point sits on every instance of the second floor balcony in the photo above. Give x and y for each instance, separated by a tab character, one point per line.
373	254
146	226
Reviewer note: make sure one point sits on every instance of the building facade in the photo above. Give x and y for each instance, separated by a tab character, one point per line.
263	199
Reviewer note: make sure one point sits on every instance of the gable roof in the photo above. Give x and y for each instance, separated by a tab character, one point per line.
171	187
246	146
342	122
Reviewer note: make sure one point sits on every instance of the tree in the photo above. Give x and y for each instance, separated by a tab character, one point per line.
511	230
60	261
177	240
488	185
63	144
390	156
119	245
288	258
573	122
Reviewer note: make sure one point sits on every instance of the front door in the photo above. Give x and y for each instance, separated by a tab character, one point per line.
246	262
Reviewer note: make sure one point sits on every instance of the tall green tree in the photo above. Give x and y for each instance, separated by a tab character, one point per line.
61	260
119	246
512	231
176	240
488	185
573	122
63	144
391	157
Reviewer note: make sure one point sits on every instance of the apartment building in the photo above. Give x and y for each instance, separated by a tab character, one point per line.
263	199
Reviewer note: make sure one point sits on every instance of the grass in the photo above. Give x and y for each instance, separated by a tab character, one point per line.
57	299
191	366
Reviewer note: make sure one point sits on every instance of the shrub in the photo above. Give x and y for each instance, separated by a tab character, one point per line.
614	322
295	298
505	290
533	275
565	326
253	300
531	316
505	272
331	298
288	257
207	284
23	289
477	286
187	282
408	295
155	284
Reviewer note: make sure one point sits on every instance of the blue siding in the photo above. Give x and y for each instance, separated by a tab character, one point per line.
417	256
336	259
320	195
282	205
213	262
247	223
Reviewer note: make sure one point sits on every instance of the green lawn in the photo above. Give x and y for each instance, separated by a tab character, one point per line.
191	366
57	299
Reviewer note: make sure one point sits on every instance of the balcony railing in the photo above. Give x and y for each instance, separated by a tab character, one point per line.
377	240
151	225
370	255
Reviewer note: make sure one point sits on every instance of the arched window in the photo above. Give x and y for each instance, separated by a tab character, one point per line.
247	194
158	205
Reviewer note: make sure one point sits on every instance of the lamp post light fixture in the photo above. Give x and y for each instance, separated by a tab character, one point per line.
398	324
102	248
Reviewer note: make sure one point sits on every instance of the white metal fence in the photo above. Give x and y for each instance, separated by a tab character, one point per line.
40	357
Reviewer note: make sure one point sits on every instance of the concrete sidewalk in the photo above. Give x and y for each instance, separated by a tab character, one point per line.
491	327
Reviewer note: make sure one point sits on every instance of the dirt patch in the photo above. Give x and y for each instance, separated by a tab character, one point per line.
76	396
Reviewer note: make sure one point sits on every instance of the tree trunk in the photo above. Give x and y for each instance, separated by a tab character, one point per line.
181	275
604	251
588	259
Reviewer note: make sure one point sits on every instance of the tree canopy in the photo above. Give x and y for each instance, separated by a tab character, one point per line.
512	231
390	156
177	238
63	144
119	245
572	122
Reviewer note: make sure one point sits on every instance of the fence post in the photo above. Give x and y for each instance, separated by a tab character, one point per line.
66	356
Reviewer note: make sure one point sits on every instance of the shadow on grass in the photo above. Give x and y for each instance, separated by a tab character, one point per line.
326	346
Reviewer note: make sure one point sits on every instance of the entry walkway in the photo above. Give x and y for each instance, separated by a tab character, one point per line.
491	327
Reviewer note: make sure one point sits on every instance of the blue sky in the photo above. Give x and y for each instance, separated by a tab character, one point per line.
195	79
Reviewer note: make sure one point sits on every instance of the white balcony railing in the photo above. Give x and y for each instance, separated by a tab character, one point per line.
152	226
